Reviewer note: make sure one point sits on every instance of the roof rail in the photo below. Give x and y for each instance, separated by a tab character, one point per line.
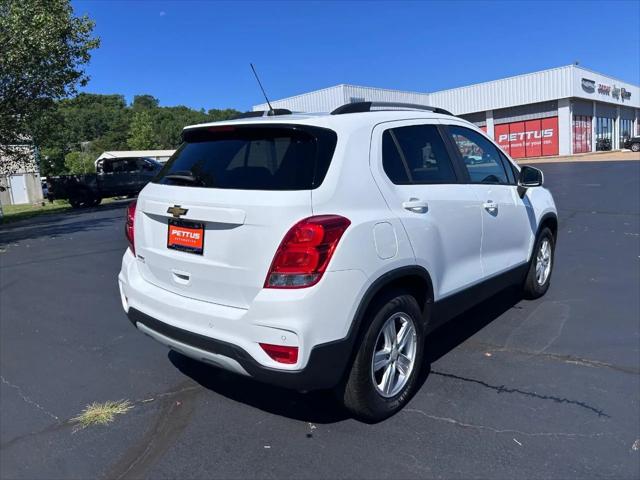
358	107
263	113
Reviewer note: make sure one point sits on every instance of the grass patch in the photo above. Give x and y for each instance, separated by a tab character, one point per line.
101	413
13	213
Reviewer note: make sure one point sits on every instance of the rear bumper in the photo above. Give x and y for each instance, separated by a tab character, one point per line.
316	320
324	369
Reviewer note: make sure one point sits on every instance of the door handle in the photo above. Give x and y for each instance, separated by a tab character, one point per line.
490	206
415	205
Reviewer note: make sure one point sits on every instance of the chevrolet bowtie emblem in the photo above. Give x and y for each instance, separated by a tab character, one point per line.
177	211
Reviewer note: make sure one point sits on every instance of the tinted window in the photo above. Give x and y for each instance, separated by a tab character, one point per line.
416	154
481	157
510	169
251	158
147	164
120	165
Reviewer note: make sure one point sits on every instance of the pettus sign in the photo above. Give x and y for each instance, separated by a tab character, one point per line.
533	138
531	134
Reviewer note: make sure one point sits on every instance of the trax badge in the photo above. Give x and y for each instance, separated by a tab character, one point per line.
177	211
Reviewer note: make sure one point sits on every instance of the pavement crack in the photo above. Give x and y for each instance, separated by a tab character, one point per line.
165	394
504	389
459	423
54	427
572	359
67	423
28	400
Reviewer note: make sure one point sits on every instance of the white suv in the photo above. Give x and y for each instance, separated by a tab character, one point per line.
316	251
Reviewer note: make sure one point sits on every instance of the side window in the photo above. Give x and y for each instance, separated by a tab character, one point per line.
416	155
107	165
144	165
117	166
132	165
480	156
510	169
394	165
516	172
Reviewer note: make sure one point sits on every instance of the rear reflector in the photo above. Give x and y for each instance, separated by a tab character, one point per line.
281	353
129	225
305	252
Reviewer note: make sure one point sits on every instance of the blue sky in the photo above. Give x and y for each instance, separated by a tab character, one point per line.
198	53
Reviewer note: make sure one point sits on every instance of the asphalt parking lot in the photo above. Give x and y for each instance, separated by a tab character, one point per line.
516	389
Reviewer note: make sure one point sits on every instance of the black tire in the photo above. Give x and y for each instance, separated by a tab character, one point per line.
532	287
359	394
82	198
635	147
96	201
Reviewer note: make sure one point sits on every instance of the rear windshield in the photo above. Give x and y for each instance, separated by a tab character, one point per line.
278	157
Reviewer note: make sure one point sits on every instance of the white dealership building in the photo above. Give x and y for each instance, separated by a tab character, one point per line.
560	111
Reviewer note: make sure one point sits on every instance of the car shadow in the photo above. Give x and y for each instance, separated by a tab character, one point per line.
316	407
457	330
322	406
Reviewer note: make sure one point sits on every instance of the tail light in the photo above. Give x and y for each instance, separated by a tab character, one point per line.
281	353
305	252
129	225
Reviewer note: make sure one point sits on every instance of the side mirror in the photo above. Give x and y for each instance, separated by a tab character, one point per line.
530	177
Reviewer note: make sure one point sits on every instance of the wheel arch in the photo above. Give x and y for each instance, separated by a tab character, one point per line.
549	220
413	279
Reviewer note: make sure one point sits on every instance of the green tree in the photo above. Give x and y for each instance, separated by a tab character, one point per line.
43	50
101	122
144	102
141	134
79	162
215	115
51	161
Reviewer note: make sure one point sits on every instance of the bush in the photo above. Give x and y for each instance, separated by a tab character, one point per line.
79	162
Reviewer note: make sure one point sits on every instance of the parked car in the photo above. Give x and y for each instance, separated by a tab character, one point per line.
318	251
113	177
633	144
603	144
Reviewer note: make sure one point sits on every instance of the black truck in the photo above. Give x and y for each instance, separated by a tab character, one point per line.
114	177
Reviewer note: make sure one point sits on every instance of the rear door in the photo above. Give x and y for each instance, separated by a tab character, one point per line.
231	193
419	180
508	222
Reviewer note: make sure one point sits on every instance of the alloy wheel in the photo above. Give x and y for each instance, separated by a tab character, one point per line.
394	355
543	262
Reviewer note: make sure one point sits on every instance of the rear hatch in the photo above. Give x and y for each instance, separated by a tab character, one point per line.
209	224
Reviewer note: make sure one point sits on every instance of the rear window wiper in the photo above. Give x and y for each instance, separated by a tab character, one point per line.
184	176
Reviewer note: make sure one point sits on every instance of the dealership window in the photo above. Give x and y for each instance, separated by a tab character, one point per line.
604	133
581	133
626	130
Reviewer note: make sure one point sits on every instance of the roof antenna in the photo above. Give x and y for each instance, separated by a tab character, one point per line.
271	112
